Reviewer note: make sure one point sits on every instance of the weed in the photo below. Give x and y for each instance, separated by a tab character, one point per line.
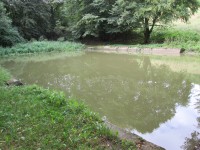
40	47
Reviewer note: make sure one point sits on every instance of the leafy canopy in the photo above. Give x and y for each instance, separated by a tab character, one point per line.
31	17
101	17
8	35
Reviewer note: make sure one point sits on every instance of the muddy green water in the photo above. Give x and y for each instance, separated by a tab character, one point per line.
154	102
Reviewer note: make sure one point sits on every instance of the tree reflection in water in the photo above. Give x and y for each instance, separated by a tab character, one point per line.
193	142
127	89
157	93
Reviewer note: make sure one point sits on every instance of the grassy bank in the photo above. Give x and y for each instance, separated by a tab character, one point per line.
35	118
176	35
173	38
169	38
179	35
40	47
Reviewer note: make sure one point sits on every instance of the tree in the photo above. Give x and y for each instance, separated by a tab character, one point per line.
73	13
122	16
100	17
30	17
91	18
55	18
151	13
8	35
146	14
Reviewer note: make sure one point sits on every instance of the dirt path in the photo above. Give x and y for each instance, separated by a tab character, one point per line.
135	50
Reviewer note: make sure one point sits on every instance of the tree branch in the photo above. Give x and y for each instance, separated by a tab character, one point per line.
154	22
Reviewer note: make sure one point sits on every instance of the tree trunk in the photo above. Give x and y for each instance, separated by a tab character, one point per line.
52	19
147	31
147	34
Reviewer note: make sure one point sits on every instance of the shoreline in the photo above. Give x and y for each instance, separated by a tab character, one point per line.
137	50
124	134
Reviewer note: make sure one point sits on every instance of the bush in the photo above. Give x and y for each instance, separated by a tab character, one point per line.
8	35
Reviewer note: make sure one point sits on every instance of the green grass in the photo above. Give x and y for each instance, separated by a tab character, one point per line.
32	117
41	47
4	76
173	38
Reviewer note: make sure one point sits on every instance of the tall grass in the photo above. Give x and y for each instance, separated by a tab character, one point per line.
173	38
169	38
183	35
41	47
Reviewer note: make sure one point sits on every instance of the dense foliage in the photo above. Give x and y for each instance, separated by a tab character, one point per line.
75	19
101	17
8	35
31	17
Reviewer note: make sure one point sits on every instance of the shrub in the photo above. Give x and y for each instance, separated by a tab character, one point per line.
8	35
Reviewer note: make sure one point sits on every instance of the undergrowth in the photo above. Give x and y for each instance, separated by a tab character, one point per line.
189	40
169	38
41	47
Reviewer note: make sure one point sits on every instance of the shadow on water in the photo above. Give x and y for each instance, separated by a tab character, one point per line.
128	90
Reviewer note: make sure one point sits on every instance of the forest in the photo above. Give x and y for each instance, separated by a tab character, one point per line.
105	20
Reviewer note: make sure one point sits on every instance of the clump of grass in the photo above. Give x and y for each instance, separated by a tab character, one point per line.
32	117
4	76
41	47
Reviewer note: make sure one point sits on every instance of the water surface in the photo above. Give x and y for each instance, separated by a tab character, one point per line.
160	105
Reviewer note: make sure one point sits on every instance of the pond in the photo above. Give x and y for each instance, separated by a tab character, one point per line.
160	105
